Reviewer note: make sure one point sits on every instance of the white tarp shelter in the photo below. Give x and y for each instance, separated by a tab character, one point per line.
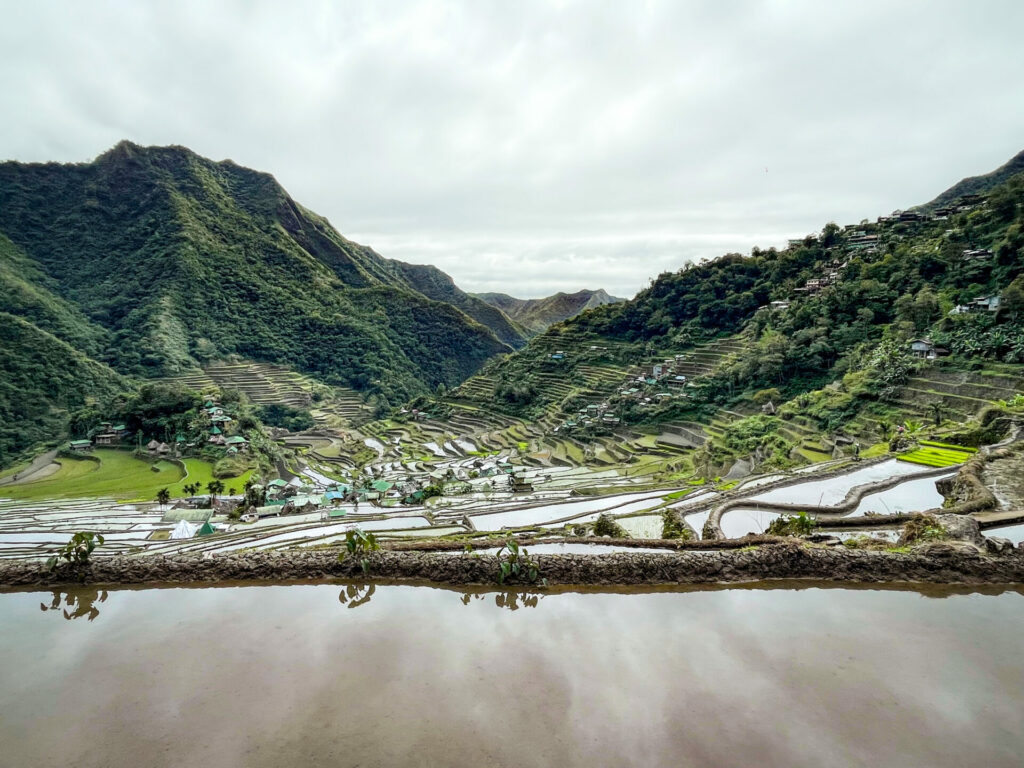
184	530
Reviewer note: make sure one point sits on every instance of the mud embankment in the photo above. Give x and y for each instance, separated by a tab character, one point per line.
936	563
830	515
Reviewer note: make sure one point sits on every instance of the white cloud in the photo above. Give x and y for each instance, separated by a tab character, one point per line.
533	146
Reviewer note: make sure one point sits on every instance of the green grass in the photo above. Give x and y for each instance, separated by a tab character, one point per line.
201	472
117	474
878	449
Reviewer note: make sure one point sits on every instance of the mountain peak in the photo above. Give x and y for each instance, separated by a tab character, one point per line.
977	185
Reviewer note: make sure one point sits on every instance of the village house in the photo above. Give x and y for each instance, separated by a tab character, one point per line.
987	303
108	438
80	446
925	349
779	306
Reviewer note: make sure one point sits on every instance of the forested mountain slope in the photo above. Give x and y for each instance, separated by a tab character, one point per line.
155	259
43	378
535	315
839	296
439	286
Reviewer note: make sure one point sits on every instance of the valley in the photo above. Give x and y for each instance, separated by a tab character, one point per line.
860	384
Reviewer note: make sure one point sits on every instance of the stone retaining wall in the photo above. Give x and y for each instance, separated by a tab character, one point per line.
935	563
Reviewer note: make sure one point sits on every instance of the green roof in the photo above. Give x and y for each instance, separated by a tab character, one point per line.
205	529
192	515
278	482
383	485
81	443
119	428
236	440
337	513
214	430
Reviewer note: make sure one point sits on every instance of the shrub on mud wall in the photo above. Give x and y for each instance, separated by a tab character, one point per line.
796	525
673	527
922	528
606	526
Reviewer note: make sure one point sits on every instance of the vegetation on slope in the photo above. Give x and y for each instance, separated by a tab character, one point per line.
830	350
43	379
180	260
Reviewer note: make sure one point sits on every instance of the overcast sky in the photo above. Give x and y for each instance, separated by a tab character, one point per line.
530	147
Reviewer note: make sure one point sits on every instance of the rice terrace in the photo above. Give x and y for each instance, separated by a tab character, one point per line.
671	414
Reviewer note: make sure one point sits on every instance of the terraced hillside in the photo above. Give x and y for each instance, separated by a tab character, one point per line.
266	384
960	394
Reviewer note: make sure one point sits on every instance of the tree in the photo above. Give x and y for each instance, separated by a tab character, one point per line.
1012	300
884	427
162	497
936	409
215	487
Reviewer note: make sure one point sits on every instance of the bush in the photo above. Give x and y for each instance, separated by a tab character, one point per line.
673	527
798	525
285	416
923	528
606	526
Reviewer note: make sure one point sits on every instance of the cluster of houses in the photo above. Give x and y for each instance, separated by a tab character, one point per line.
830	274
299	496
220	423
110	434
106	434
647	387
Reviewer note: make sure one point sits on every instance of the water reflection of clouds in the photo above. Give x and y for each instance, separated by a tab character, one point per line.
727	676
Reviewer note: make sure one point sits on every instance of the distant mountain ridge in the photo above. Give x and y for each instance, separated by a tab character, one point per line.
536	315
977	185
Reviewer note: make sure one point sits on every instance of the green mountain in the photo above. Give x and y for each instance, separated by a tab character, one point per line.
536	315
154	260
977	185
847	303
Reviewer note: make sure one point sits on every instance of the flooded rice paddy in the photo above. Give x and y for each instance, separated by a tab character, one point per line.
328	675
831	491
911	496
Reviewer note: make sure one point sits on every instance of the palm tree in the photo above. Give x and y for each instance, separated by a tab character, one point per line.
936	413
162	497
231	491
884	427
913	426
214	487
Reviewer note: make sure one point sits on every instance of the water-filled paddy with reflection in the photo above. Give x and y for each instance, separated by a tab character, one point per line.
398	675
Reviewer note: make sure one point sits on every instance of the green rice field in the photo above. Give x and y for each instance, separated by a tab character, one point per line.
930	454
117	474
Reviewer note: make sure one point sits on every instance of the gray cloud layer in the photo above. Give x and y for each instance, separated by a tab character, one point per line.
529	147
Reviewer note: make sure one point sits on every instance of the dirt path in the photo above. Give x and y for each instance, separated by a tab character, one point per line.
41	466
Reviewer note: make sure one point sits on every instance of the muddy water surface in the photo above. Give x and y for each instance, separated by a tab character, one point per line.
329	675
